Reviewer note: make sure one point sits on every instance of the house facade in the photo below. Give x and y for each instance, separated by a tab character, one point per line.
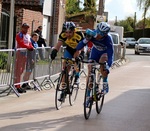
82	20
48	13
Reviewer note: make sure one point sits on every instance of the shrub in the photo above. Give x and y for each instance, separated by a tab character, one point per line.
3	60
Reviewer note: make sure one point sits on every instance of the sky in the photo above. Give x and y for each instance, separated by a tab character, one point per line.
122	9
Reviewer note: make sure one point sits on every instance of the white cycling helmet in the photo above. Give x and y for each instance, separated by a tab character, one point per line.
103	28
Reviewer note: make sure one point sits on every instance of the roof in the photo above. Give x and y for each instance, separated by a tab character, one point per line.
25	2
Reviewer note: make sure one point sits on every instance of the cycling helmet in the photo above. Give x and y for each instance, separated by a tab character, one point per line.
103	28
68	26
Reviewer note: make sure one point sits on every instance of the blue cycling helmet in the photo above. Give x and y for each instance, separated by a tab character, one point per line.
103	28
68	26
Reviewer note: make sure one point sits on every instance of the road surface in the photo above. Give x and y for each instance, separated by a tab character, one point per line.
126	107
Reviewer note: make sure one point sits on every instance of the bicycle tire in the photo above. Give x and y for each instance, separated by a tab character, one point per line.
100	98
58	104
99	103
73	90
87	109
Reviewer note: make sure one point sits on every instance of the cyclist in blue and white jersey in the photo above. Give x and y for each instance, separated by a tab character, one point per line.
102	50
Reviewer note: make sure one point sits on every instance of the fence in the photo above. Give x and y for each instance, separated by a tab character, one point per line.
21	66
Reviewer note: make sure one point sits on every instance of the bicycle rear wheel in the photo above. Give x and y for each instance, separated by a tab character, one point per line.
88	100
58	93
99	97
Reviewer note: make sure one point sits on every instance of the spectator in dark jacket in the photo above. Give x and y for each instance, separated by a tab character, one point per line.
40	42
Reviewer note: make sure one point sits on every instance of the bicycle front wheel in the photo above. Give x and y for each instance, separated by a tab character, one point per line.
58	93
73	89
99	97
99	103
73	94
88	99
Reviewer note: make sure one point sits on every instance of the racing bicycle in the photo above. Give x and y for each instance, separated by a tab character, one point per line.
94	90
71	88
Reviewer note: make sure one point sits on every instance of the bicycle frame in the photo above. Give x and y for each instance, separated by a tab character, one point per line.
93	77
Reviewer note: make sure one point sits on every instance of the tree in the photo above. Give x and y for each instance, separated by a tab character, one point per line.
128	24
139	25
144	5
72	6
90	5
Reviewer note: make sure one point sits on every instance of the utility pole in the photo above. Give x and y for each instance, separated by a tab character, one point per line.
11	24
101	7
134	22
11	31
144	21
116	21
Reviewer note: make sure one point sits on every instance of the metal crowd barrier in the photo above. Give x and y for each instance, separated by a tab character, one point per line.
119	55
21	66
42	69
6	71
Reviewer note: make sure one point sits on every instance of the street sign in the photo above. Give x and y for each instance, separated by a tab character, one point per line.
100	18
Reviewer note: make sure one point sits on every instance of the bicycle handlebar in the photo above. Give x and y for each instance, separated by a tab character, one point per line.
72	59
93	62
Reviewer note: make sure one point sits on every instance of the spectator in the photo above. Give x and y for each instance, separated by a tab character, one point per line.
31	55
22	41
40	42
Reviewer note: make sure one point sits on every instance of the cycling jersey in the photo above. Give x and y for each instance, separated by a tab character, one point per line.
104	45
72	42
23	41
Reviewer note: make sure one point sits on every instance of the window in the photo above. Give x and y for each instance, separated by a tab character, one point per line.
4	29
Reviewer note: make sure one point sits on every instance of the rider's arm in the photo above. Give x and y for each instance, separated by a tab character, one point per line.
89	35
80	45
58	45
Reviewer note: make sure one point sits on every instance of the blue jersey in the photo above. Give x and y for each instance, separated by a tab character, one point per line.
104	45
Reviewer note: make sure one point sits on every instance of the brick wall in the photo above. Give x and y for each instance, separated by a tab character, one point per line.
61	16
82	21
33	18
58	17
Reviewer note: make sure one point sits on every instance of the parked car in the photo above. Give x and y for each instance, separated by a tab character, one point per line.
142	46
130	42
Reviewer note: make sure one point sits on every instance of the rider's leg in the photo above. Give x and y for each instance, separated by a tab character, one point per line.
104	71
77	73
66	55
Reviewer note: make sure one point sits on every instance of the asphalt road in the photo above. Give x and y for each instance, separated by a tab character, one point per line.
126	107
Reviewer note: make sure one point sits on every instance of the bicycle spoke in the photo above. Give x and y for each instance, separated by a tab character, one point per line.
58	93
100	97
88	100
73	95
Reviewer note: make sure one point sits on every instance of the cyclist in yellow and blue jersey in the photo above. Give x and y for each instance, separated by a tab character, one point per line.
70	37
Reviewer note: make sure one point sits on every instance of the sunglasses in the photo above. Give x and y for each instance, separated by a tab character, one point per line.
100	33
